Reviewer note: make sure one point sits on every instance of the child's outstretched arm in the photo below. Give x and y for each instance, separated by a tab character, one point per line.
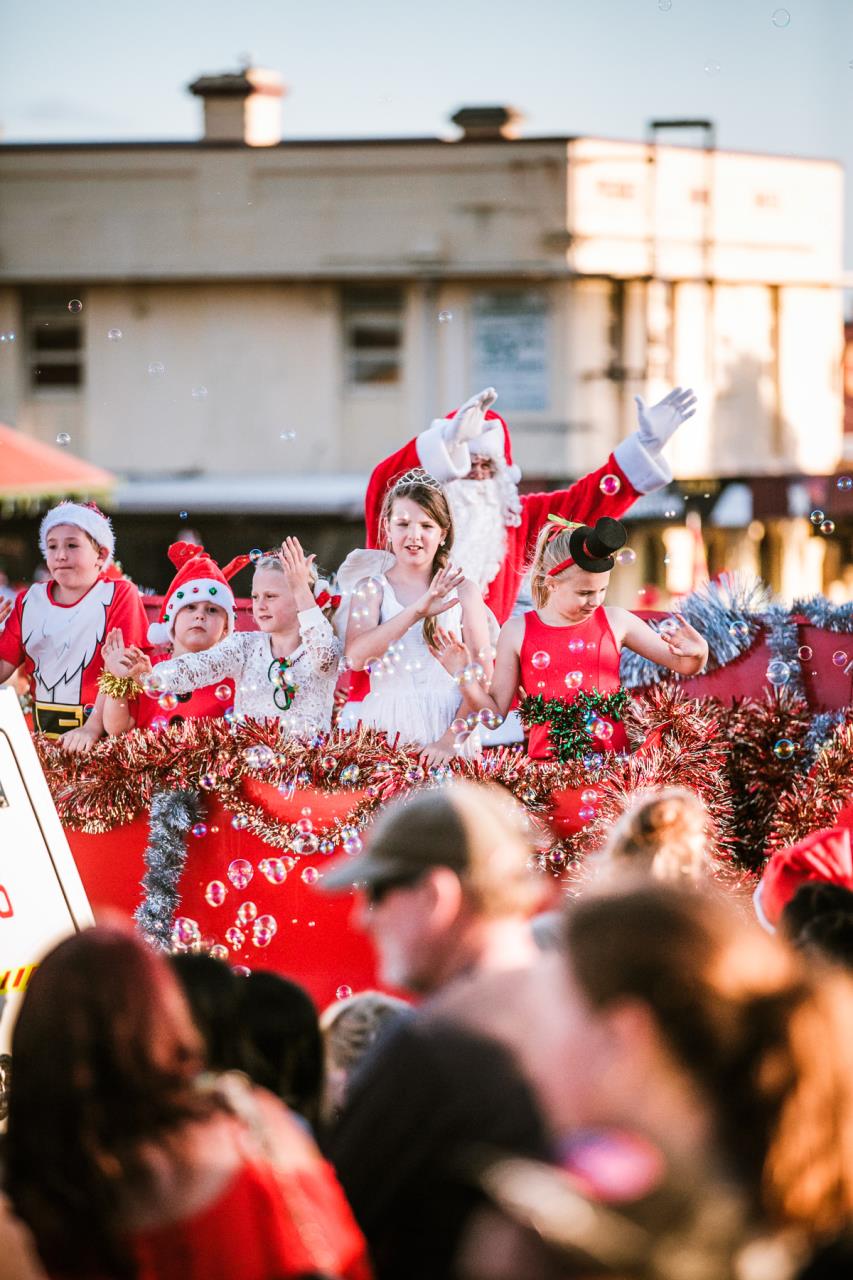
454	657
681	647
368	638
195	670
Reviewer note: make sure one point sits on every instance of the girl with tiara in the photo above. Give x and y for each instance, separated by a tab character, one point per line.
393	622
565	652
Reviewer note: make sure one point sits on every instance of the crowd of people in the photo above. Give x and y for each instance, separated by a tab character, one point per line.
639	1081
653	1086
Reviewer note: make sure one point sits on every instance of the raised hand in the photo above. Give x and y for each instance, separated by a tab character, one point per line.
467	423
434	600
296	565
452	652
116	658
683	640
5	610
658	422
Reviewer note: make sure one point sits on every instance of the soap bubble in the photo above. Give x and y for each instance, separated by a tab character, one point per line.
350	775
261	937
304	826
267	922
239	822
159	723
343	992
574	679
235	938
610	485
711	68
241	970
62	439
185	931
576	646
817	516
215	893
603	730
273	869
827	526
778	672
223	692
155	368
784	749
115	335
310	875
844	483
626	556
326	847
586	813
458	726
199	830
255	555
167	701
287	435
487	718
540	660
739	630
589	795
805	652
305	844
781	18
839	658
445	317
414	774
199	393
352	844
183	515
75	306
246	912
240	872
218	952
259	756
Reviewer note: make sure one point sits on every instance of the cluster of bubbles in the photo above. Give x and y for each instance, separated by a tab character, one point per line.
821	521
474	673
589	798
259	756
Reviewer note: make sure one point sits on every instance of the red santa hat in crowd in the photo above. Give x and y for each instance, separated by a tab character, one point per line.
199	577
824	856
83	515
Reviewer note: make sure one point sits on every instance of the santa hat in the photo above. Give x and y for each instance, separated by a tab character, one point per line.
83	515
495	442
199	577
825	856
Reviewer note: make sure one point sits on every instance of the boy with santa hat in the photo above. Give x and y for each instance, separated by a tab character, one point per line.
470	452
57	628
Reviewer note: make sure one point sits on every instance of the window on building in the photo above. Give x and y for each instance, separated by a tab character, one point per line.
373	335
54	340
511	343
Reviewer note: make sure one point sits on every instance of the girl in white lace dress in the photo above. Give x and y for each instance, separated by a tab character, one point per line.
392	624
288	668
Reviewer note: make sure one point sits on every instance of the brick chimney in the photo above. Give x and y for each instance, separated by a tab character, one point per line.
242	106
482	123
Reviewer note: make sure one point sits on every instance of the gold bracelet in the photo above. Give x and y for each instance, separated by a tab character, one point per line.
118	687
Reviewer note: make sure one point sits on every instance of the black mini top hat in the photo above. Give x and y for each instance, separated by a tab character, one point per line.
594	549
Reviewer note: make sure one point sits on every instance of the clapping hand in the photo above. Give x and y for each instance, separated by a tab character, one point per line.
123	661
434	600
450	651
467	423
658	422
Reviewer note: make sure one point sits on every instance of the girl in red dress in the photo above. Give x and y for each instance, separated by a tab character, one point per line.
565	652
125	1161
198	611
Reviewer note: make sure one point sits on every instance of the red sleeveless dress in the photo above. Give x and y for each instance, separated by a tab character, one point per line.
587	647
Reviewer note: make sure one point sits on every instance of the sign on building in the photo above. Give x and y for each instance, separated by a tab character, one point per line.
510	347
42	898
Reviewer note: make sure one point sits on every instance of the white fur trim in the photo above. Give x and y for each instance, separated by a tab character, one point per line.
759	910
445	462
159	633
91	522
489	444
193	592
645	470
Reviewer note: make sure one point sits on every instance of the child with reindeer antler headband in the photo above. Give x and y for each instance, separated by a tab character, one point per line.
565	652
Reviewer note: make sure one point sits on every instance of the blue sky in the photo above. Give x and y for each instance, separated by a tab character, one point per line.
96	70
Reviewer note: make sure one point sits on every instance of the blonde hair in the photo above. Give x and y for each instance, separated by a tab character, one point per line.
273	563
662	833
551	549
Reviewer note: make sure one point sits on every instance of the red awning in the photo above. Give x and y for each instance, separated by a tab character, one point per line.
31	469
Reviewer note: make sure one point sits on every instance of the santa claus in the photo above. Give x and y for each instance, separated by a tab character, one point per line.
495	526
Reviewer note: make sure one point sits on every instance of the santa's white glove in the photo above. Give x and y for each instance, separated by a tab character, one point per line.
658	422
468	422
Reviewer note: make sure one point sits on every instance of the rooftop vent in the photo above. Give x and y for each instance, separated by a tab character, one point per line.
479	123
241	106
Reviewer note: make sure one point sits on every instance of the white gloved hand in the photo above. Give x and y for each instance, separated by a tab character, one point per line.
468	422
658	422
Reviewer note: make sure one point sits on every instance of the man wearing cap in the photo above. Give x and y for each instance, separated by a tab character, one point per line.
447	896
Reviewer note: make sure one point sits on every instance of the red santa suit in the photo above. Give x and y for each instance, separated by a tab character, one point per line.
60	645
518	518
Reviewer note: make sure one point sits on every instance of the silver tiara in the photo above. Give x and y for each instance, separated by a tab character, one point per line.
418	476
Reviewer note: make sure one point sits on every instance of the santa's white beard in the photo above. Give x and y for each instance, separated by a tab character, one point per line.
479	538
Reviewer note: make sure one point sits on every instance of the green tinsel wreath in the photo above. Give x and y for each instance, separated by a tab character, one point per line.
569	723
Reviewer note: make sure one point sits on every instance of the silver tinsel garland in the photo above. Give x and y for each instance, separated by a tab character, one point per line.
173	814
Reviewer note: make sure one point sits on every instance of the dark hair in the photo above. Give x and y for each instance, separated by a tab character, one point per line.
283	1047
105	1057
819	919
768	1045
212	990
429	495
